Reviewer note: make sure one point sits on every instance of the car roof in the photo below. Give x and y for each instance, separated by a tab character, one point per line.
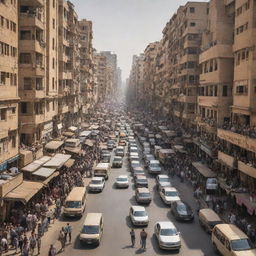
92	219
154	161
138	208
118	157
231	231
123	176
141	177
143	190
162	176
170	189
135	162
97	178
166	224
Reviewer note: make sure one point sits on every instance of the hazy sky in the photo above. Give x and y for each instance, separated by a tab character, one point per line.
126	26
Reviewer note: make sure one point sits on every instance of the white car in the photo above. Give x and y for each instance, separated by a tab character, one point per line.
169	195
162	181
122	181
154	167
211	184
167	235
138	215
97	184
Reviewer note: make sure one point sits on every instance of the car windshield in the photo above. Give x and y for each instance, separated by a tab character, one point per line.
241	245
96	182
121	179
142	180
117	159
164	180
154	165
168	232
91	230
73	204
182	208
140	213
171	193
144	194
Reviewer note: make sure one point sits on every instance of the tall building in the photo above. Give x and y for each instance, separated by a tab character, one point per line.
38	69
86	65
8	84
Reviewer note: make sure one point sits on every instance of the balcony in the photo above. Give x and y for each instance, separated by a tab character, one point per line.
188	115
32	45
226	159
187	99
26	19
31	119
247	169
239	140
216	51
214	101
31	94
37	3
63	109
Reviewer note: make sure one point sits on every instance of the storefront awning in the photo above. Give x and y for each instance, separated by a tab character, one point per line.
13	159
69	163
44	172
68	134
89	143
204	170
54	145
72	128
55	174
24	192
57	161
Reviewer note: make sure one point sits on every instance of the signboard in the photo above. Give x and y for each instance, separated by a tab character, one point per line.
238	139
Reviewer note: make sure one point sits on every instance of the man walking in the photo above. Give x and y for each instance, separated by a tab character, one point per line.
132	234
143	239
68	231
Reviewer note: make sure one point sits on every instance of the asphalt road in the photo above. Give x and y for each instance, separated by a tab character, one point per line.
114	204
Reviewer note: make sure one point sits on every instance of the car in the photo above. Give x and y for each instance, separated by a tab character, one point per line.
105	157
167	235
146	145
133	150
122	143
211	184
117	162
146	150
132	144
142	139
162	181
111	144
182	211
135	164
138	171
97	184
169	195
138	215
152	142
120	151
148	157
140	181
143	196
154	167
134	158
122	181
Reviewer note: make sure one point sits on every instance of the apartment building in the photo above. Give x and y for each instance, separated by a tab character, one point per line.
9	99
69	102
100	62
38	70
86	65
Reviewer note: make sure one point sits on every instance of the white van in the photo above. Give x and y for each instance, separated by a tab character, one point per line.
229	240
102	170
75	202
92	229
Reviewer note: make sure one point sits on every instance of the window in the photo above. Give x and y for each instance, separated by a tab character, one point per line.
25	35
241	89
2	78
14	141
28	83
53	44
192	9
3	114
192	24
23	107
53	3
225	91
13	110
53	83
53	23
53	63
25	58
7	23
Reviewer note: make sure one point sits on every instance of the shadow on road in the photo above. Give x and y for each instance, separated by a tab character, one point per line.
159	251
78	246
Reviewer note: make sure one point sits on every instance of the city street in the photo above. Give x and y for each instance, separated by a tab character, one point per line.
114	204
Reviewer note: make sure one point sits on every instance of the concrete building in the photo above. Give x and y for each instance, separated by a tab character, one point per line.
86	65
8	84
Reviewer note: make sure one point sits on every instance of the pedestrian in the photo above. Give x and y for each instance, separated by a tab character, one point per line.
132	233
32	243
52	251
21	240
62	239
16	244
38	240
68	232
143	239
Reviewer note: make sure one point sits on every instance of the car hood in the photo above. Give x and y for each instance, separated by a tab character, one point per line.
144	218
170	239
248	253
155	168
172	198
95	185
165	184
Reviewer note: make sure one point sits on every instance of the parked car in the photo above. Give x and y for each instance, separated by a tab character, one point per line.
140	181
169	195
182	211
135	164
120	151
97	184
122	181
111	144
167	235
162	181
122	143
117	162
138	171
143	195
211	184
147	158
138	216
154	167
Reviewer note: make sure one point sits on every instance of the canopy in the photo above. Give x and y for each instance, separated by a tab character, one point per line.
204	170
55	174
24	192
72	128
68	134
31	167
69	163
57	161
85	134
89	143
44	172
75	150
85	125
54	144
